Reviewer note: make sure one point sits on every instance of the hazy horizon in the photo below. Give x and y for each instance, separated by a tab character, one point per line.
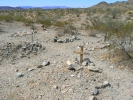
41	3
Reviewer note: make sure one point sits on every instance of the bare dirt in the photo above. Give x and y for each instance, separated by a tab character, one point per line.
55	81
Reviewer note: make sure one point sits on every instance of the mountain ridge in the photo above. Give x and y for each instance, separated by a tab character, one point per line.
31	7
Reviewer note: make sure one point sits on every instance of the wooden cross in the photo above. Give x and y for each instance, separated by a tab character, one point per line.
81	53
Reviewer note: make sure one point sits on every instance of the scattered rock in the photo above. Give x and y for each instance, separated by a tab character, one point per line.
55	39
68	63
91	49
30	69
95	91
19	75
71	67
99	86
17	85
73	37
40	66
76	61
45	63
84	63
93	68
92	64
111	67
71	40
55	87
86	60
16	70
92	98
106	83
13	63
72	75
59	41
79	75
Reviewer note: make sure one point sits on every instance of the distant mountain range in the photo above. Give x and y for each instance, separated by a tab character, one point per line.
9	8
30	7
44	7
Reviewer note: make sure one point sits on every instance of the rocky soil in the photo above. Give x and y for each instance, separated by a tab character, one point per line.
46	69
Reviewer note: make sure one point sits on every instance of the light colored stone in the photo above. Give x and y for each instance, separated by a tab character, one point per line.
79	75
84	63
55	87
71	67
111	67
93	68
68	63
31	69
59	41
72	75
19	75
45	63
92	98
95	91
106	83
92	64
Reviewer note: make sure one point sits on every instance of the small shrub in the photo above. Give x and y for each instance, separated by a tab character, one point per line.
130	12
28	22
61	23
1	30
68	29
128	18
19	18
92	33
45	23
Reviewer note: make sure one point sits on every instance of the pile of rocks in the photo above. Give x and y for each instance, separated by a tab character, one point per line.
10	50
29	48
17	34
66	40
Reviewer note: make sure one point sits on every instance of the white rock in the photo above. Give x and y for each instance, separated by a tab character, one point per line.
111	67
93	68
92	64
45	63
92	98
95	91
19	75
31	69
68	63
84	63
105	83
72	75
79	75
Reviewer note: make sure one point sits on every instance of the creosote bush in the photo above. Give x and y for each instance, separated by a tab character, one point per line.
67	29
119	33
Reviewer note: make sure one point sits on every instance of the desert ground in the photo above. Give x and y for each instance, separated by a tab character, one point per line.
46	73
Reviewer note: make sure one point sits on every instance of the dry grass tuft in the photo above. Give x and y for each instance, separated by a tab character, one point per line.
119	58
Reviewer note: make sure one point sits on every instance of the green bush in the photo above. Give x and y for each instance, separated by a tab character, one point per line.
6	18
45	23
19	18
28	22
61	23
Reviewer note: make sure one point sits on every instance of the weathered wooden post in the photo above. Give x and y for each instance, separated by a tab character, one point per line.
81	53
33	31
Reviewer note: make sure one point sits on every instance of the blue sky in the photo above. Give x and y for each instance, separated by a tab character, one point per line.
69	3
